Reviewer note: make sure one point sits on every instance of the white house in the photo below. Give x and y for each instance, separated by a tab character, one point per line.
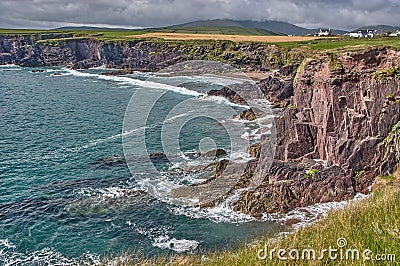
395	34
363	34
324	32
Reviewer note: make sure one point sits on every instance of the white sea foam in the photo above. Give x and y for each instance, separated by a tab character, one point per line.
224	81
110	192
222	100
159	186
102	67
177	245
6	244
9	65
137	82
254	134
10	69
305	216
169	119
240	157
222	213
211	79
160	238
46	256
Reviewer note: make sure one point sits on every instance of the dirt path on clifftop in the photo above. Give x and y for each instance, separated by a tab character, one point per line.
235	38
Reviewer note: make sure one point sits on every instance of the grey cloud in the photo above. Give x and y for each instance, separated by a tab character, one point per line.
148	13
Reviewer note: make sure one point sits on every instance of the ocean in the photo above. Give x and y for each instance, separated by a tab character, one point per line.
66	194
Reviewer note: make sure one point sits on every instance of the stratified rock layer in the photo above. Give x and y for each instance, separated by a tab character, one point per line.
332	139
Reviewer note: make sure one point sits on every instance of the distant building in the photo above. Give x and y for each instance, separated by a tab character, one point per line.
395	34
363	34
324	32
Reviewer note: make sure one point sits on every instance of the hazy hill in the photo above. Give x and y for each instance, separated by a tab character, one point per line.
269	25
242	27
380	28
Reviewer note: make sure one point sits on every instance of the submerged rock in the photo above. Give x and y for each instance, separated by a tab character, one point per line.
213	154
110	161
105	204
38	71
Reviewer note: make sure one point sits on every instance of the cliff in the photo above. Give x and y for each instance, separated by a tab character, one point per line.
137	54
337	114
338	131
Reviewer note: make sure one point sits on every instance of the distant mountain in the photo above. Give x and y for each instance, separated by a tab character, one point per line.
84	28
380	28
269	25
223	26
229	30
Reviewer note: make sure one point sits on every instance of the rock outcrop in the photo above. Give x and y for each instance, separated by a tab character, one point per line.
337	114
136	54
338	132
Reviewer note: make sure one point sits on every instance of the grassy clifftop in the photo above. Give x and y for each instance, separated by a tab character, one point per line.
128	35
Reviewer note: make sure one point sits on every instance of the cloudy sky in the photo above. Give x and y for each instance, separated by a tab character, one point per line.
343	14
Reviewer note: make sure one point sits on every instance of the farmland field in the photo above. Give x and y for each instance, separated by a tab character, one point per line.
235	38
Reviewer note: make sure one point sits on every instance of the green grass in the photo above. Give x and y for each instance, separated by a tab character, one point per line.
373	223
27	31
337	44
343	42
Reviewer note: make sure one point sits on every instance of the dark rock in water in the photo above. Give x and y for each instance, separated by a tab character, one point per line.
214	153
248	115
192	155
158	158
38	70
105	204
109	161
225	176
156	154
118	72
229	94
57	74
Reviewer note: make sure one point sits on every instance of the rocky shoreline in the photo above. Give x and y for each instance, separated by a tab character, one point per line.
337	114
35	50
337	128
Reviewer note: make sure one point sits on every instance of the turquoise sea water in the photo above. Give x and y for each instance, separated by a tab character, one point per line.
60	204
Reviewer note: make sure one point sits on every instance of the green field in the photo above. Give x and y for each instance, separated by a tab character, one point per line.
343	42
124	35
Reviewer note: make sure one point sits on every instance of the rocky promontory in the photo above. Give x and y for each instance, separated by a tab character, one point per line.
35	50
338	131
337	113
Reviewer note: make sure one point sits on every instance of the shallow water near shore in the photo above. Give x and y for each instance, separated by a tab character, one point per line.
60	204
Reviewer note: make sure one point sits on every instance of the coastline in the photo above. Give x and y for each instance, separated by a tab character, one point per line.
337	119
354	227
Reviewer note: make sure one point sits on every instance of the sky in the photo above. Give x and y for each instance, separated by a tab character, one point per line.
340	14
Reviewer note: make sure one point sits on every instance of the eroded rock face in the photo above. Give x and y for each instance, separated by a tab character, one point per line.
331	138
143	55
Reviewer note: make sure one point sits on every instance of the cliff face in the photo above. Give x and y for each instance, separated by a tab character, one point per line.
338	119
41	50
338	132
